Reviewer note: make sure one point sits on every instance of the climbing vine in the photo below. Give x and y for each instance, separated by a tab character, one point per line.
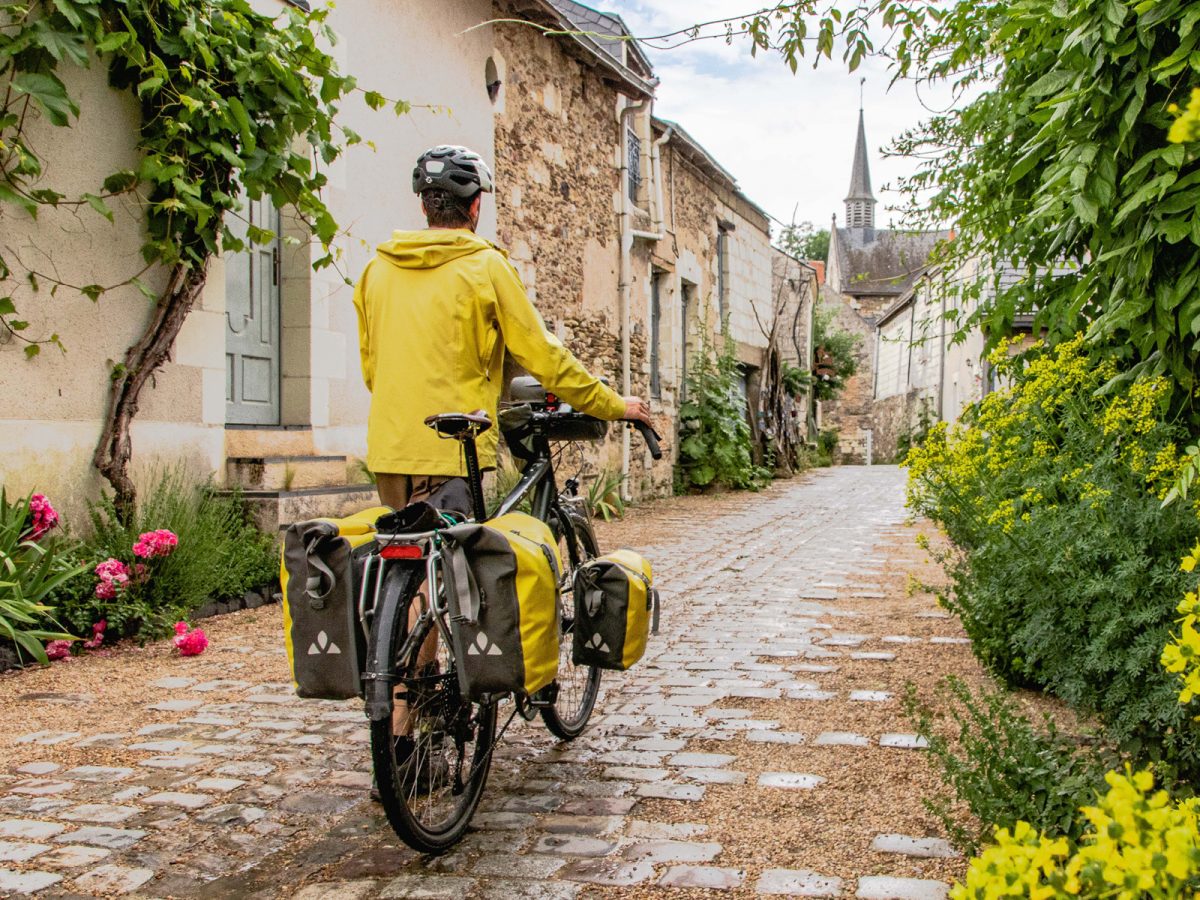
233	104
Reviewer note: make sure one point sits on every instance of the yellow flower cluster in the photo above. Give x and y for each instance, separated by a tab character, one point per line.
1139	844
1182	655
1050	428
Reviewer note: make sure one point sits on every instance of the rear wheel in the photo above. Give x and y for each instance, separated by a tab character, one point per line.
578	686
432	756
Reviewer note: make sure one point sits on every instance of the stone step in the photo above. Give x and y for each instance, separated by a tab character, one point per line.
284	473
268	440
275	510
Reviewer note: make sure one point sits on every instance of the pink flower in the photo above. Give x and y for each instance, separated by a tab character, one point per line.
155	543
42	515
97	637
114	576
58	649
189	643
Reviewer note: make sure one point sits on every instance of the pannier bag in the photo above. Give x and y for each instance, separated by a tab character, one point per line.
321	575
501	580
615	607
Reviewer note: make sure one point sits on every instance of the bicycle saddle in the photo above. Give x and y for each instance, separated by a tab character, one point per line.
460	425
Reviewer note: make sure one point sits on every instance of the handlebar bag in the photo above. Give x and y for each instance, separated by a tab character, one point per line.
501	581
320	572
616	608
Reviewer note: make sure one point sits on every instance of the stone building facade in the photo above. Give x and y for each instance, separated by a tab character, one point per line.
870	270
626	232
633	242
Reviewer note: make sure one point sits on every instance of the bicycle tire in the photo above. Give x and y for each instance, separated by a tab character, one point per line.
428	788
578	686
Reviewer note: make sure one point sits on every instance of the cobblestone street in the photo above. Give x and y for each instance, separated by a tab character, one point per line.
759	749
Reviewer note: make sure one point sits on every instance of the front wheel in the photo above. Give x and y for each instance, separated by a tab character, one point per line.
433	752
578	686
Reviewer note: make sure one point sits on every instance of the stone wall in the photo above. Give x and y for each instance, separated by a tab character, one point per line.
558	200
851	413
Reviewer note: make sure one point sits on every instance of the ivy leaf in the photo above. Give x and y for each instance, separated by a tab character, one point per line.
48	93
99	206
148	292
375	100
114	40
32	350
7	307
92	291
119	182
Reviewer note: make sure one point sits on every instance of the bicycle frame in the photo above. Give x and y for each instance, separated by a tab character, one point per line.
537	478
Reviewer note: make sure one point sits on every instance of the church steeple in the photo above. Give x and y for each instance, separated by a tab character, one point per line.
860	202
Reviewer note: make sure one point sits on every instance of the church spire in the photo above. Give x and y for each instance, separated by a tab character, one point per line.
860	202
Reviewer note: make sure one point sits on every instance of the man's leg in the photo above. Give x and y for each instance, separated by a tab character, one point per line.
397	491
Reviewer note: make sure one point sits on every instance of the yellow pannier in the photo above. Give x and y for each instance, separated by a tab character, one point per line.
502	587
615	605
320	571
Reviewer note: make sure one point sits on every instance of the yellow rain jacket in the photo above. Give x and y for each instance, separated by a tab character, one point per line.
436	311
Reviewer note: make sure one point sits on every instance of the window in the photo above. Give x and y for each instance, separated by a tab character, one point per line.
723	273
687	309
491	79
634	173
655	335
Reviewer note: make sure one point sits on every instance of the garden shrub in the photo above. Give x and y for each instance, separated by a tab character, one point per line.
32	567
1137	843
220	555
1066	575
715	444
1003	768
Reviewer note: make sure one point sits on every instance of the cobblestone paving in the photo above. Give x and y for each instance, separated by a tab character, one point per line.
266	796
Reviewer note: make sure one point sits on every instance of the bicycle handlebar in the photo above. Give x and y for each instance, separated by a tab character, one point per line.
649	435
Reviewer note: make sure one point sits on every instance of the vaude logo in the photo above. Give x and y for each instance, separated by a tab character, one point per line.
597	643
483	647
323	645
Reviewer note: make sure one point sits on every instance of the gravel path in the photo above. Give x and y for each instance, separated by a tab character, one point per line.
759	750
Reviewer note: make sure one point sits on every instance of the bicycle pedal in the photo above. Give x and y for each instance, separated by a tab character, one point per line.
545	697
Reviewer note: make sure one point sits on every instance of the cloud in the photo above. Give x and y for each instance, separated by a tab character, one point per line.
788	139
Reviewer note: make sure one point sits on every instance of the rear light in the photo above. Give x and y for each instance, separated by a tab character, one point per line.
402	551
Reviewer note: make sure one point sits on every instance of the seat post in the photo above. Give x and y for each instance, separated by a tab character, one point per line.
474	478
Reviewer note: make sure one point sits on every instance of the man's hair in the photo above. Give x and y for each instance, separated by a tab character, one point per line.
444	210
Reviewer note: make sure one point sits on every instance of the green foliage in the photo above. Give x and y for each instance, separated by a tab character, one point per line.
836	355
30	572
1059	167
914	433
714	433
604	496
220	556
231	100
1067	574
1003	768
795	380
804	242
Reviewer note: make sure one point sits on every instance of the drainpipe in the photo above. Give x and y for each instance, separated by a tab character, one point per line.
656	214
625	277
942	359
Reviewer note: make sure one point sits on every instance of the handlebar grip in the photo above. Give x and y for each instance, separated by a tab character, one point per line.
650	436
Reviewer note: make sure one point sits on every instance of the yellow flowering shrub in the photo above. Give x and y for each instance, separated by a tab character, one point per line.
1066	571
1181	657
1138	844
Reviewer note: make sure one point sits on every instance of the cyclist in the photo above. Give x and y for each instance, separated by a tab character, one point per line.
437	310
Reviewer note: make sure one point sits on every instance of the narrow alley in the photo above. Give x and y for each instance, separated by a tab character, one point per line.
759	749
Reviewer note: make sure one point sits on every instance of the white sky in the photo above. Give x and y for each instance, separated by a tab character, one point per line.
788	139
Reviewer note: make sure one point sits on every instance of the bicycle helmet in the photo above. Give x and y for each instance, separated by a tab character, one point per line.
454	169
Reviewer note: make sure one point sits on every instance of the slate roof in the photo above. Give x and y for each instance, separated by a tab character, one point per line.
882	262
606	31
860	173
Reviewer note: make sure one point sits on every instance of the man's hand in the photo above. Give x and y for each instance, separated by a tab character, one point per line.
638	409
